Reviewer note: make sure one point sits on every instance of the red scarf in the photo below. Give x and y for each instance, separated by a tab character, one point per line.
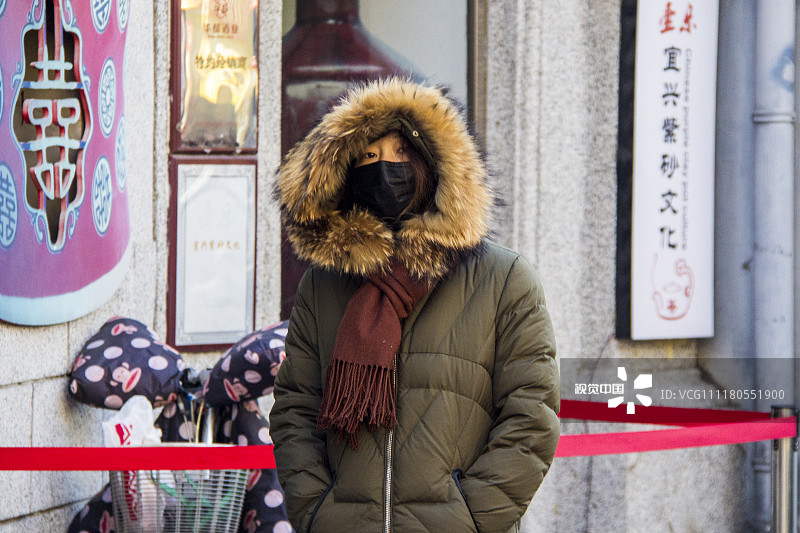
359	384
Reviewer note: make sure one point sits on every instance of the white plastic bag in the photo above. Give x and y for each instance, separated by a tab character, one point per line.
132	425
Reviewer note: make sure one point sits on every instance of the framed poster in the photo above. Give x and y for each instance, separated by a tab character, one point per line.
212	252
214	76
665	169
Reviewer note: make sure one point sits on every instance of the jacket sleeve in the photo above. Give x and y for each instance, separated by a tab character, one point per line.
300	450
525	387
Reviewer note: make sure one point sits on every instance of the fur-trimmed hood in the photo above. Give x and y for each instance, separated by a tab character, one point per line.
311	179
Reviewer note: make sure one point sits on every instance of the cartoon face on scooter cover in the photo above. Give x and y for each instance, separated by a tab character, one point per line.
123	359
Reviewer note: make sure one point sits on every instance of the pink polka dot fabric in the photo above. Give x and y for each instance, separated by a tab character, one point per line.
123	359
247	370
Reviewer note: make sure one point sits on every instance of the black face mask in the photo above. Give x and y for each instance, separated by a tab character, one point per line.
384	188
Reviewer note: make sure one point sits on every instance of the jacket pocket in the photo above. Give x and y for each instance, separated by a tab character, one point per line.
320	502
457	475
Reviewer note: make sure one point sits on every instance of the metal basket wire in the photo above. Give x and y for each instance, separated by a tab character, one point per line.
177	501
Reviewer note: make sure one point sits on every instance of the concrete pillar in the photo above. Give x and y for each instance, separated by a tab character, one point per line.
773	261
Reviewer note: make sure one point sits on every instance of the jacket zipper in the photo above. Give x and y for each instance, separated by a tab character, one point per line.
387	509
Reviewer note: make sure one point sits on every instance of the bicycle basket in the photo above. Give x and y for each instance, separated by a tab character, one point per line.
177	501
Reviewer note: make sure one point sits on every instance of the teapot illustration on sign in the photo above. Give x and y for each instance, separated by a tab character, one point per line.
673	288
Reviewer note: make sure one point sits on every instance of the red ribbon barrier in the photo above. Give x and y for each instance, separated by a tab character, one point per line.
701	427
138	458
669	439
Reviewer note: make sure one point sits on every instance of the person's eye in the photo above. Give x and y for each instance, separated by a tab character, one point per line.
369	155
365	158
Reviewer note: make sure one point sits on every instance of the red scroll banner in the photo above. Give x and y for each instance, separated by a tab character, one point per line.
728	427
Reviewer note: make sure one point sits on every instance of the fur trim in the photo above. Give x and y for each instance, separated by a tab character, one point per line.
311	179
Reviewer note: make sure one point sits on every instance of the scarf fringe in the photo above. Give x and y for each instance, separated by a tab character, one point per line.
357	393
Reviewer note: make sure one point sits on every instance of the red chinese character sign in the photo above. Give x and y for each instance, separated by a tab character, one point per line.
64	221
665	263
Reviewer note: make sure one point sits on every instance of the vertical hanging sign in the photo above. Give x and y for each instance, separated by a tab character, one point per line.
665	166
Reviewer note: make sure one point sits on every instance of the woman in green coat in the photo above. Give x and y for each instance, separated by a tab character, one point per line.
419	391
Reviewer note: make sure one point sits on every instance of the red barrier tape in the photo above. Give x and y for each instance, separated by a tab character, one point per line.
701	427
138	458
670	439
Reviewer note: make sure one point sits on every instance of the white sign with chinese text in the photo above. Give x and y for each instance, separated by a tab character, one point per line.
672	243
216	252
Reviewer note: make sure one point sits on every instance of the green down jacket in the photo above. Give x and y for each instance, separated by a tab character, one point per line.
477	388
